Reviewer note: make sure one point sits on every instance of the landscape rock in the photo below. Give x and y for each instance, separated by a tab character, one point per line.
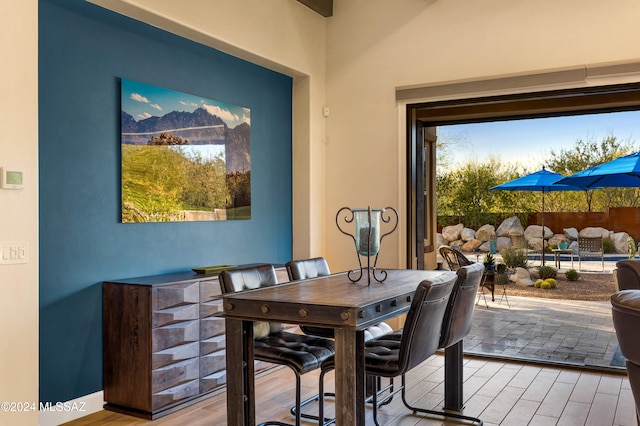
510	226
535	243
467	234
484	232
571	233
441	241
620	242
556	239
594	231
503	243
522	277
452	232
535	231
471	245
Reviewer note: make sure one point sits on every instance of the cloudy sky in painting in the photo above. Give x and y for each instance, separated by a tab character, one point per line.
142	101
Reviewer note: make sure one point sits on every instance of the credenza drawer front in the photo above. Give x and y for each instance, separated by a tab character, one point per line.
208	309
175	354
174	374
211	326
176	294
213	362
212	344
213	381
175	394
176	314
210	290
175	334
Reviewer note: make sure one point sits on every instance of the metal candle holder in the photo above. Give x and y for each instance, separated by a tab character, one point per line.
367	243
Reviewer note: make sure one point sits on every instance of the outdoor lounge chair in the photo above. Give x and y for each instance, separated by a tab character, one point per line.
590	247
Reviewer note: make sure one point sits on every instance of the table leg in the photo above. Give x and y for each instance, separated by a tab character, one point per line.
241	410
350	377
453	397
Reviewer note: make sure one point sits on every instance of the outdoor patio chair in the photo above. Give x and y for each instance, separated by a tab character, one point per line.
590	247
454	259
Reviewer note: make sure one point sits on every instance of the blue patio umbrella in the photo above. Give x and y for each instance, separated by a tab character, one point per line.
542	181
623	172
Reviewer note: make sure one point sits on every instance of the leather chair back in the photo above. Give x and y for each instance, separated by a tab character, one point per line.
458	318
308	268
421	334
625	310
628	274
236	280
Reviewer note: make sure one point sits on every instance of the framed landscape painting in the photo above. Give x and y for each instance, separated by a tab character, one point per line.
184	157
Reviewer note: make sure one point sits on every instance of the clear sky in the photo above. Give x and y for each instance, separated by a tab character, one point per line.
528	142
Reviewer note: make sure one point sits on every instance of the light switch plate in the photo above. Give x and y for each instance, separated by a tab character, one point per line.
13	252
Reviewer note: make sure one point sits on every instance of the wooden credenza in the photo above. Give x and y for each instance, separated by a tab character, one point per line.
163	342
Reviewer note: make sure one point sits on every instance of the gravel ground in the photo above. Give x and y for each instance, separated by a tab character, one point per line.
590	286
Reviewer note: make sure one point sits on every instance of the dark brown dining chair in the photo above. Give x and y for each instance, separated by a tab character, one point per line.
419	340
300	352
457	323
318	267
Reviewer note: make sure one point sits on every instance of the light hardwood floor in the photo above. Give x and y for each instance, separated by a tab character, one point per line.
499	392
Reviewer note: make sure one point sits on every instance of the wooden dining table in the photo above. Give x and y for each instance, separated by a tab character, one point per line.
329	301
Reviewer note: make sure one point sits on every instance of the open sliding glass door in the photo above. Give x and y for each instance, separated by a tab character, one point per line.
421	223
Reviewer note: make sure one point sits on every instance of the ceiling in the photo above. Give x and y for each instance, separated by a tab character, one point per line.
323	7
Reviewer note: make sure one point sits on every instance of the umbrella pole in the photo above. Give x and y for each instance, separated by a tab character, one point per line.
542	221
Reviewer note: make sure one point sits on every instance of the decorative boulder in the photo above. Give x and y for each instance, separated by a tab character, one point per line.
467	234
510	226
556	239
571	233
594	231
441	241
620	242
535	231
452	232
503	243
484	232
522	277
535	243
471	245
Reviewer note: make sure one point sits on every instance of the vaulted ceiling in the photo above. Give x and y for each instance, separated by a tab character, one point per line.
323	7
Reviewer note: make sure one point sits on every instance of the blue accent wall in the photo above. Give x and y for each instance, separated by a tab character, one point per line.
83	52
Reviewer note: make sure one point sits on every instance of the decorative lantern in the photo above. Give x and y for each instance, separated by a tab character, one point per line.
366	237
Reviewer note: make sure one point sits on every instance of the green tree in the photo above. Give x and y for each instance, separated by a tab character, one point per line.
585	154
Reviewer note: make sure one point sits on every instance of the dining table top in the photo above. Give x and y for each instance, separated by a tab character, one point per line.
331	300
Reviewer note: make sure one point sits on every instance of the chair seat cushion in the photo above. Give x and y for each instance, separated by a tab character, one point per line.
298	351
381	357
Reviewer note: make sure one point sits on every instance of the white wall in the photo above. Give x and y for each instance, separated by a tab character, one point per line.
375	46
19	208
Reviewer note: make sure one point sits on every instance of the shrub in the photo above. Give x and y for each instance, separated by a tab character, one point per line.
545	285
572	275
515	258
608	246
552	282
547	272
